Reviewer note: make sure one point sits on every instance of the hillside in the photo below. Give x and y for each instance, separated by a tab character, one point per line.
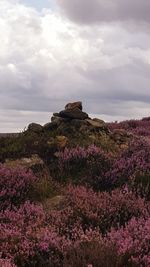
75	192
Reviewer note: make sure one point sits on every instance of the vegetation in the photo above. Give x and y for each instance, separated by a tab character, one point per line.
87	206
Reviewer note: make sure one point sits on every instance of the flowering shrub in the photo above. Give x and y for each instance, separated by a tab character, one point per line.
6	263
133	160
140	184
133	241
79	153
86	165
25	236
15	185
83	207
92	254
138	127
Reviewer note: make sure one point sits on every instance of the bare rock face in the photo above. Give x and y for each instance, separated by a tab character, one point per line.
74	105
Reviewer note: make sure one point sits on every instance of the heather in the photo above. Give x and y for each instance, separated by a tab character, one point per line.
101	211
137	127
85	165
132	161
15	185
132	241
74	203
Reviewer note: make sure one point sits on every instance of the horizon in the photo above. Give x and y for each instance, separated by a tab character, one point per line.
42	118
54	52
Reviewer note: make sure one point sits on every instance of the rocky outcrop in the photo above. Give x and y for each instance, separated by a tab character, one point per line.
71	121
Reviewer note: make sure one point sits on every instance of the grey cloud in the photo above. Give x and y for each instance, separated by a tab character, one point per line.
47	61
87	11
18	120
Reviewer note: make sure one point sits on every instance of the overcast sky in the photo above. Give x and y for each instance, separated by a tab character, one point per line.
56	51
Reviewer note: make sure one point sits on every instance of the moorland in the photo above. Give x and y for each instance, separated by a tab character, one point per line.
75	192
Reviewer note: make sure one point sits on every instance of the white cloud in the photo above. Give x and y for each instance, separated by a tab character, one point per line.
47	60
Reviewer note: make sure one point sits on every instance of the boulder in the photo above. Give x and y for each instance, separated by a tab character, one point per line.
50	126
59	120
73	114
66	129
55	114
61	141
76	123
35	127
96	123
34	162
58	142
74	105
120	135
100	121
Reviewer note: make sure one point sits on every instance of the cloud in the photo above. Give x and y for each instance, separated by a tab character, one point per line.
87	11
46	60
17	120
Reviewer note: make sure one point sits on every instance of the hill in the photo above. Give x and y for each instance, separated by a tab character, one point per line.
75	192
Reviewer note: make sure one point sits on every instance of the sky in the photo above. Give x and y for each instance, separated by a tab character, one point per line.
57	51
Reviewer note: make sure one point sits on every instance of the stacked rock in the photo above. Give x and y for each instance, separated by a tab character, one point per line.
73	116
73	111
71	119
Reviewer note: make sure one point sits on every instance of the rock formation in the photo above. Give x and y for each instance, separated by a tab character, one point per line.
74	105
71	120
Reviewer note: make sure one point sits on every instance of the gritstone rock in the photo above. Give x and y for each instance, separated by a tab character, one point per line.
74	105
35	127
73	114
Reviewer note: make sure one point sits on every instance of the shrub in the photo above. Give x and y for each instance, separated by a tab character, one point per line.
7	263
15	185
87	209
85	165
138	127
26	238
92	253
140	184
132	160
133	241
